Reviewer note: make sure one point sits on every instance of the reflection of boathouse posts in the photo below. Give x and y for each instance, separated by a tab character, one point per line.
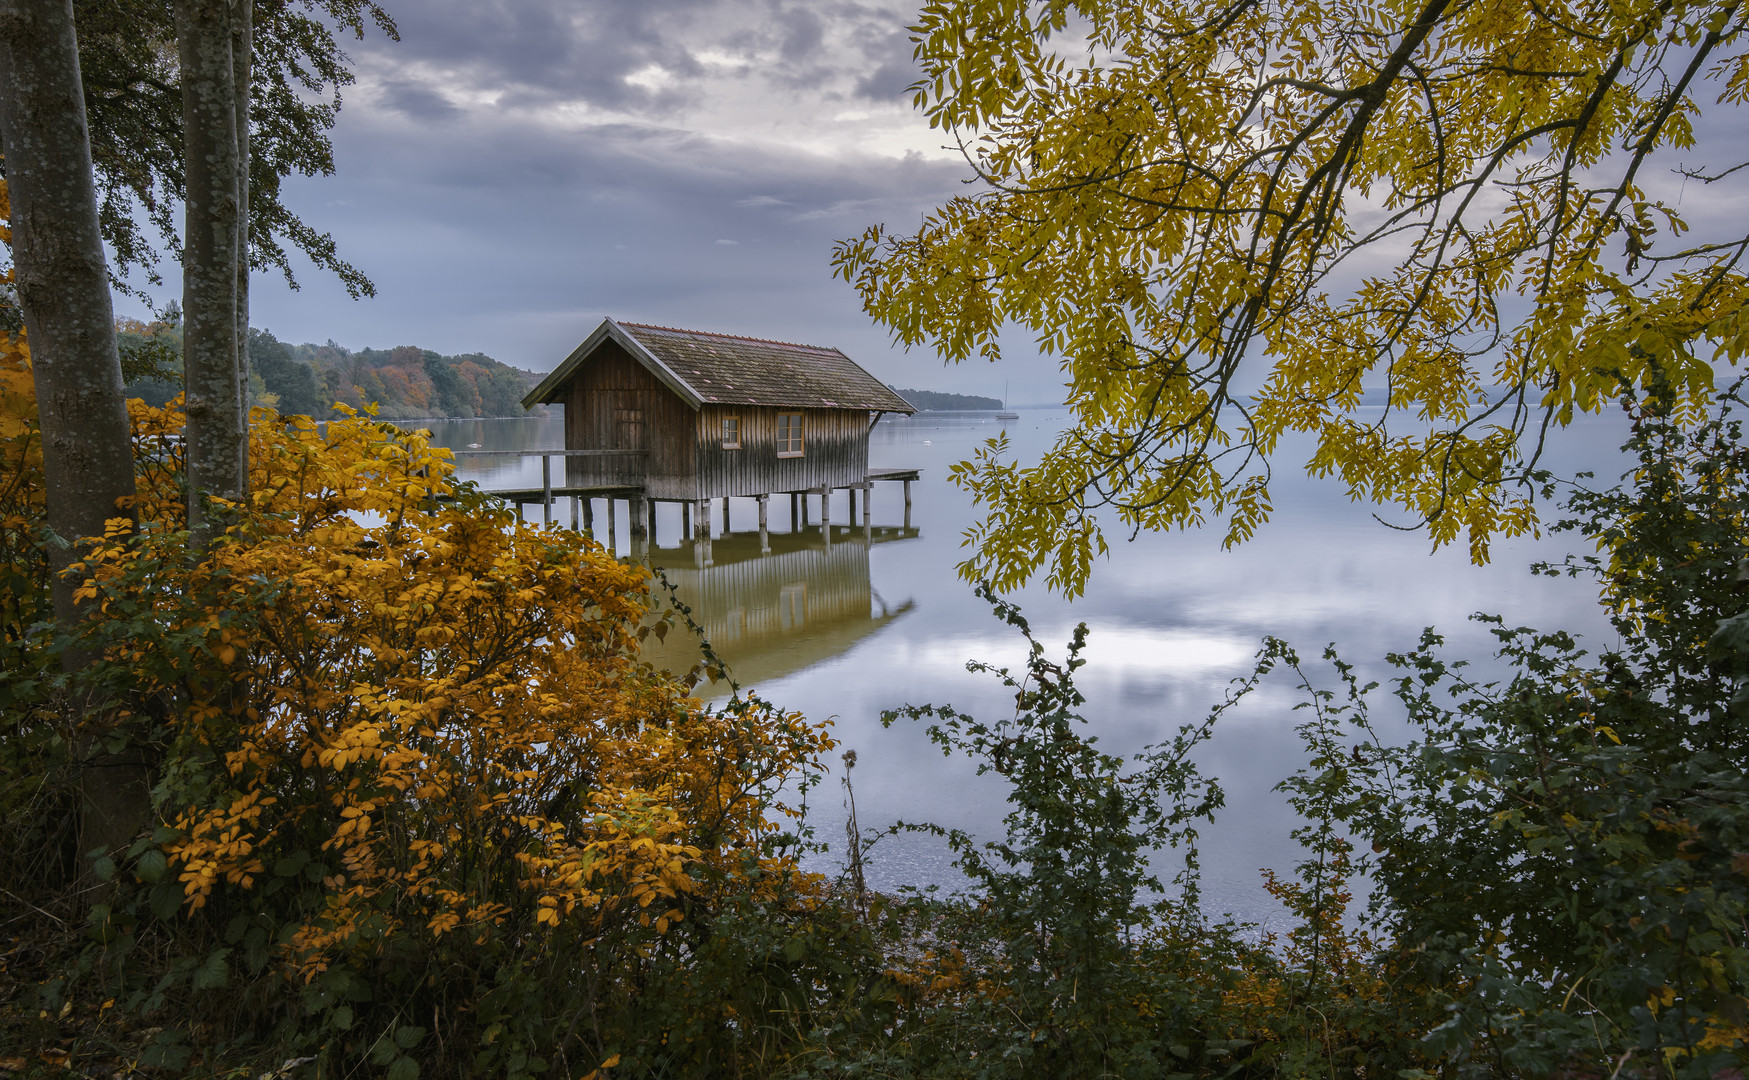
772	613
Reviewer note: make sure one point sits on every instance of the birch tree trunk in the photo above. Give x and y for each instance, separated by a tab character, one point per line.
242	71
214	383
63	288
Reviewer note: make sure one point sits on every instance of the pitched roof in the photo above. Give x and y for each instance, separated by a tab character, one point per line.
712	369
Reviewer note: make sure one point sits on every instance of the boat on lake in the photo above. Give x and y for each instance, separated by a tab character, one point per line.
1005	414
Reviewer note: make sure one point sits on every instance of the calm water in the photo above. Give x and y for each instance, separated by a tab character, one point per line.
841	630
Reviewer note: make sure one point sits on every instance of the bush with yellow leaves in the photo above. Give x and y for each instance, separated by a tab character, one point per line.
418	804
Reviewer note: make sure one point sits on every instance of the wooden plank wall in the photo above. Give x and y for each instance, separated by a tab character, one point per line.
614	403
834	451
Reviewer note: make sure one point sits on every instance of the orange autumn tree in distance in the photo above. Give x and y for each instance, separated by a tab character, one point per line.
417	795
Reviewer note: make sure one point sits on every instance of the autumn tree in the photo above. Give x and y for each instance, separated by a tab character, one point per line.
1229	219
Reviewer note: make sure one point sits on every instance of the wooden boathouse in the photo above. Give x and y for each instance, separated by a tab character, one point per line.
659	414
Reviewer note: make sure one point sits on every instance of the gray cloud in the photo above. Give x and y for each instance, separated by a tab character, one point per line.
803	34
515	169
887	51
531	53
418	102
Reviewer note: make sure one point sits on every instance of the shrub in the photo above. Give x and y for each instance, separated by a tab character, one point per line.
418	806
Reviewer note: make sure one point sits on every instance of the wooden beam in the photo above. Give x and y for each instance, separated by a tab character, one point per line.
546	486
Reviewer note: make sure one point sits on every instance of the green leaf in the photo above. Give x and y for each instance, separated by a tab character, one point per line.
166	898
152	866
404	1068
214	973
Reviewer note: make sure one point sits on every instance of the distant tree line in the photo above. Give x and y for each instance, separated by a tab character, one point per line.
405	383
935	401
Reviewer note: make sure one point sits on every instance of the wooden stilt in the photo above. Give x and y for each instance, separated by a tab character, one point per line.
793	517
725	515
574	500
764	533
612	527
685	519
589	517
907	504
867	505
704	520
804	509
546	487
638	523
825	508
851	493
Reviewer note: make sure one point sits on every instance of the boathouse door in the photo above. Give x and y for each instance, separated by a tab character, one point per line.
628	431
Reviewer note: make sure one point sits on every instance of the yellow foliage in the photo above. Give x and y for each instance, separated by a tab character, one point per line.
1226	219
422	707
21	491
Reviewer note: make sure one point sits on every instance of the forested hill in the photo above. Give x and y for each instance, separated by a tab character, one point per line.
406	382
935	401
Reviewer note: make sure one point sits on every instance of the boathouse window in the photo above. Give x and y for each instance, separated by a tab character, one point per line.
789	434
731	433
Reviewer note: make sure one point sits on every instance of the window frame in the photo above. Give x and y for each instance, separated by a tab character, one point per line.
795	426
731	431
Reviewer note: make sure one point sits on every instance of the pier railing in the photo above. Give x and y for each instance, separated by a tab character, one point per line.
546	465
635	491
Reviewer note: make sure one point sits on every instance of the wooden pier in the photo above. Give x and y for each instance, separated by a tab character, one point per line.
695	514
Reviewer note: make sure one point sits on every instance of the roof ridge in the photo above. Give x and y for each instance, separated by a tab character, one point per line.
732	337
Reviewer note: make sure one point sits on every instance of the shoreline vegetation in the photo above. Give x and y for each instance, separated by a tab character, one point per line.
420	810
938	401
403	383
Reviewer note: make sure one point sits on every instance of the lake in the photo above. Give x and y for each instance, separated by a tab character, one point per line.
844	629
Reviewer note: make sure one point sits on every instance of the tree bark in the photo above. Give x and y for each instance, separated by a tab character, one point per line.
215	387
242	71
63	289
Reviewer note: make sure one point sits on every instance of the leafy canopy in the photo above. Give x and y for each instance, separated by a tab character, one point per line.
133	96
1466	207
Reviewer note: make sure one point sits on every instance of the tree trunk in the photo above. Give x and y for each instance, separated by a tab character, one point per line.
213	381
242	70
63	289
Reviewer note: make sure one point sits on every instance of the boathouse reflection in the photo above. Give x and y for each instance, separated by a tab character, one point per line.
770	613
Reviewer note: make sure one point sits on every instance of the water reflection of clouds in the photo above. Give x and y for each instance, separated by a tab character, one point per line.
1174	618
1114	654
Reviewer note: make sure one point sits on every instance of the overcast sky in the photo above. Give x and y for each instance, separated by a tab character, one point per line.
511	171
